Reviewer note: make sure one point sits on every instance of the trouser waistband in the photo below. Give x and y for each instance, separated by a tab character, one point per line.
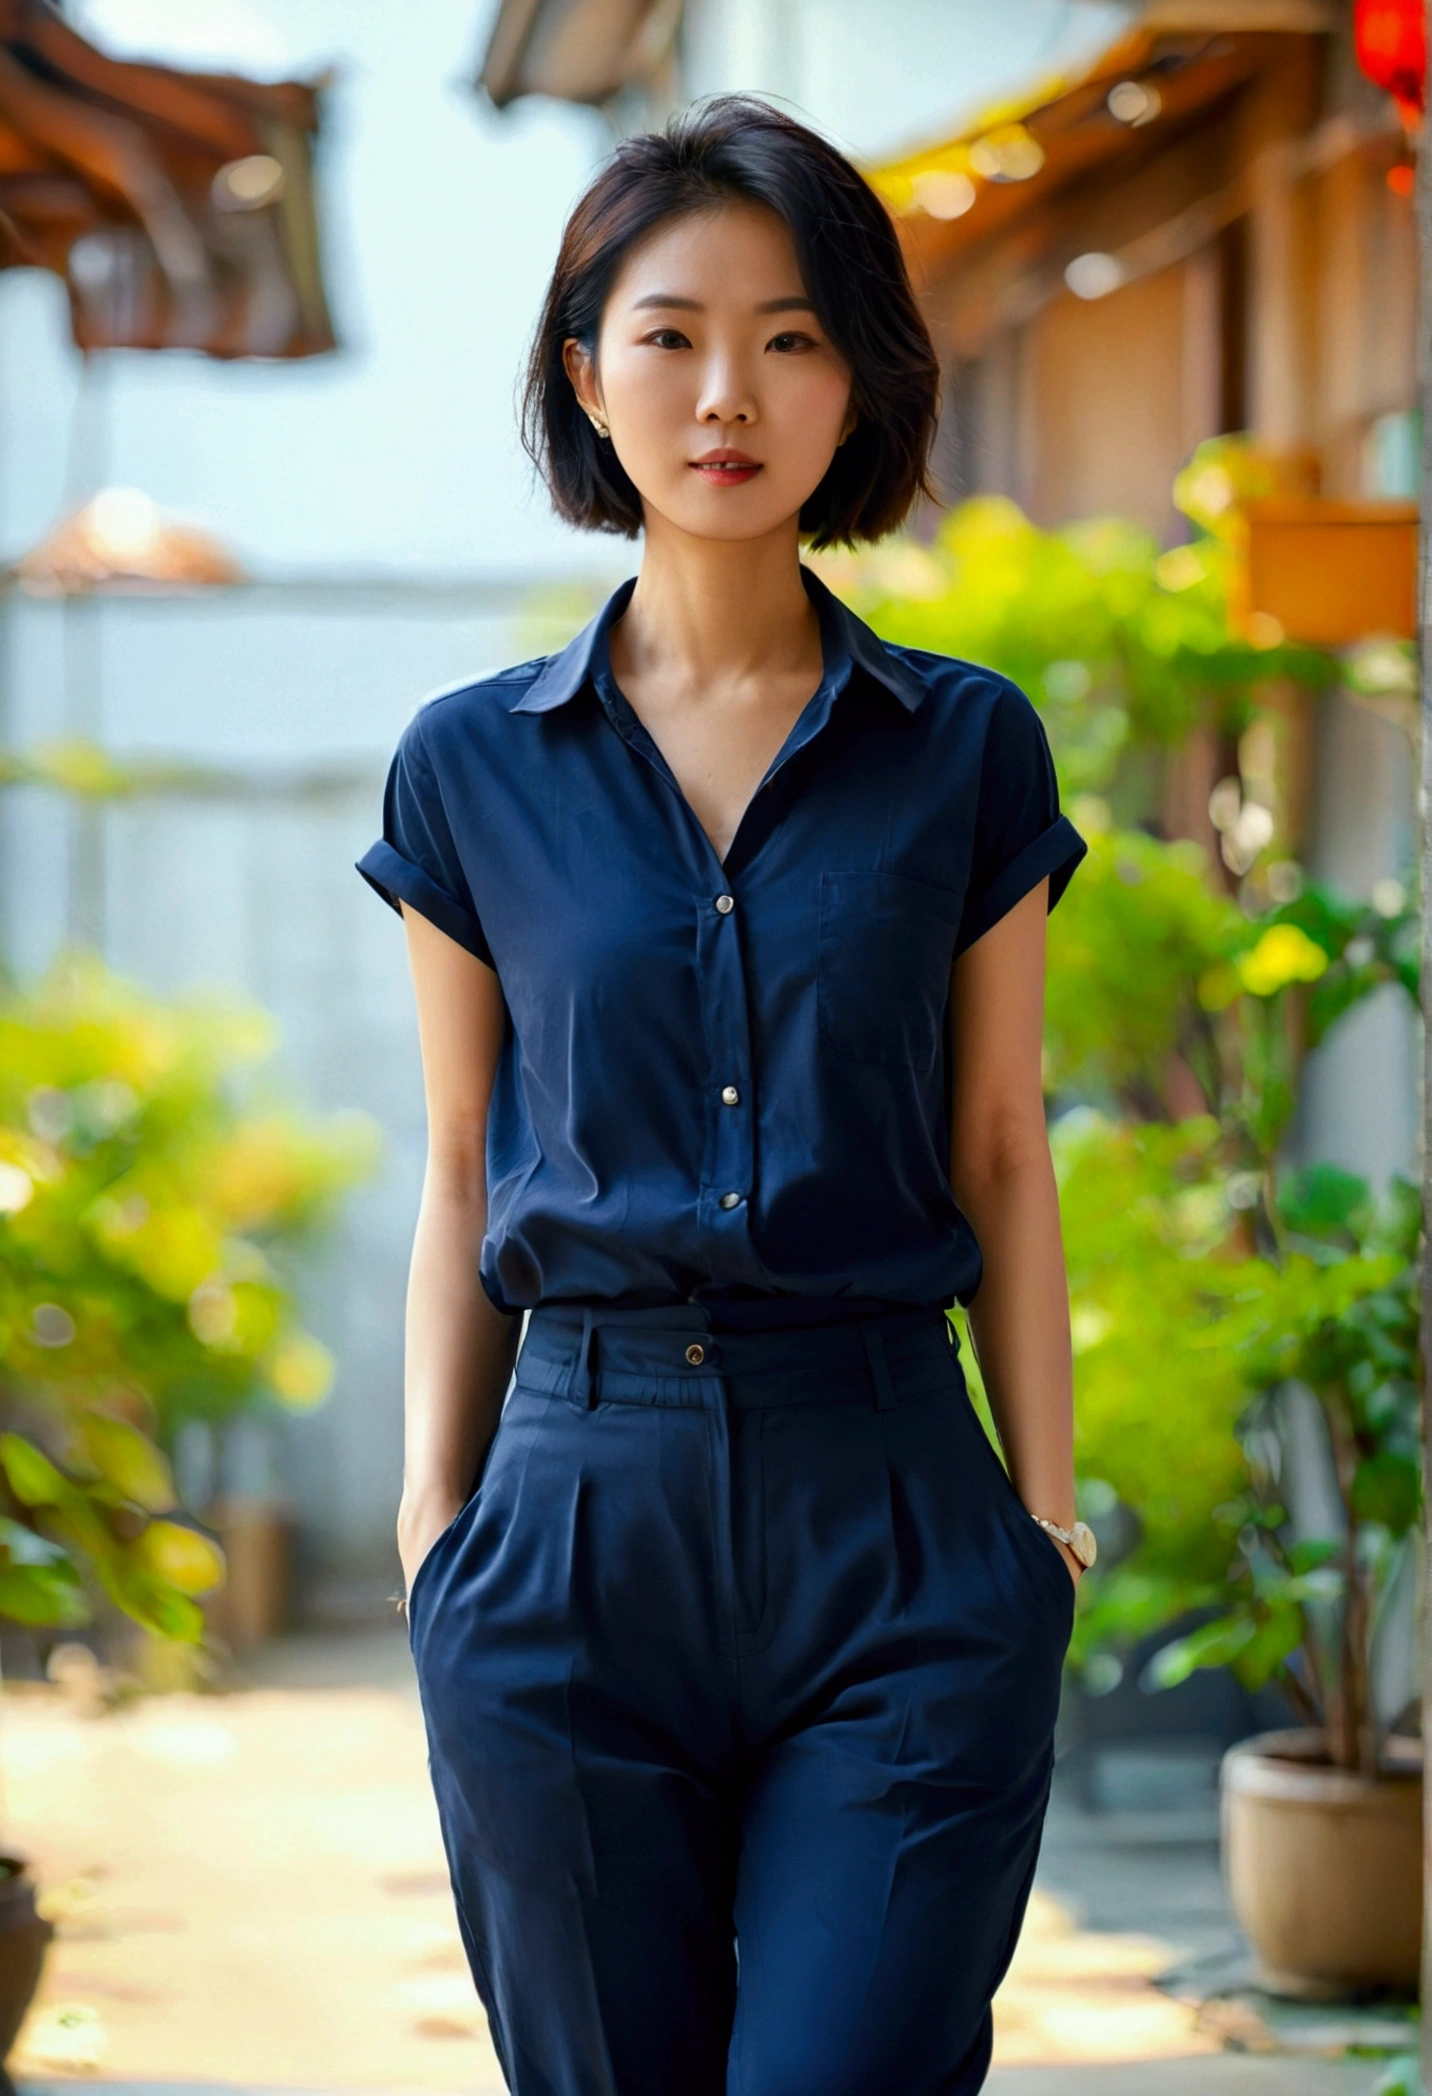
668	1355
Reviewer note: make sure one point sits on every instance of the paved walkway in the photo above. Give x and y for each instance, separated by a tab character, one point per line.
250	1894
1223	2076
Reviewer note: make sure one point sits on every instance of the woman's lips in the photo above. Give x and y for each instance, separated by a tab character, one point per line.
726	469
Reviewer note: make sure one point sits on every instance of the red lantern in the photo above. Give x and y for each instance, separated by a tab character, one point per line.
1390	37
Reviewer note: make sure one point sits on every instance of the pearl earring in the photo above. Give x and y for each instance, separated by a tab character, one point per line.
599	426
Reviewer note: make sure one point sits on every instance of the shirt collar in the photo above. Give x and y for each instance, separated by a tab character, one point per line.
845	640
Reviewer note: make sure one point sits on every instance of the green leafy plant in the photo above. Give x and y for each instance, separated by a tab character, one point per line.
1336	1317
1195	1452
1152	1250
149	1208
1164	993
1187	1246
1139	930
1124	648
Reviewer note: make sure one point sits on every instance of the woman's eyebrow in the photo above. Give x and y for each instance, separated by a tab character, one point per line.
796	303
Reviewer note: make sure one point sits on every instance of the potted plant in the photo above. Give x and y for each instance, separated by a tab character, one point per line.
1322	1823
1289	1304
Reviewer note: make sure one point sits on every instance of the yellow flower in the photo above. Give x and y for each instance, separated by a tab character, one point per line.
1283	955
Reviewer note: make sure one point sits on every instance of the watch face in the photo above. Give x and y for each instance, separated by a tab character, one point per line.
1083	1544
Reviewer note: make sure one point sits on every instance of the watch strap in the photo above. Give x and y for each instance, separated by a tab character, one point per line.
1072	1538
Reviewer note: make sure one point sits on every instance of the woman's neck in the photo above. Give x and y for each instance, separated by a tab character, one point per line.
710	614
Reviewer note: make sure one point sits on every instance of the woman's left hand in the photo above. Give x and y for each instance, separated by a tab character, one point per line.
1076	1567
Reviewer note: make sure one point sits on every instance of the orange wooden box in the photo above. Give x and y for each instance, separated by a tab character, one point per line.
1333	572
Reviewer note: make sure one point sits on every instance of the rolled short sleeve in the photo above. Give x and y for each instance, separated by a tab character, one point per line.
1020	835
417	861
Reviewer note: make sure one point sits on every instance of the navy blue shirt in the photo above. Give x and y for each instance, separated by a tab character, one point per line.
725	1083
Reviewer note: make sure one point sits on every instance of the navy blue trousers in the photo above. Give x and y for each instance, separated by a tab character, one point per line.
740	1668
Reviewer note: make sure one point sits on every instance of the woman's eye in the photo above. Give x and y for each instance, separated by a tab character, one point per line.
668	338
790	341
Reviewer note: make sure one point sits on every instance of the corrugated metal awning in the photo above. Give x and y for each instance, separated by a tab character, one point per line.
1012	158
577	50
178	207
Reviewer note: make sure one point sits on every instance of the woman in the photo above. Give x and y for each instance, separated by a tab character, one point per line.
739	1653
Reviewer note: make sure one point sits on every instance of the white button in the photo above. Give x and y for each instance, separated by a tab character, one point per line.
730	1200
725	904
696	1353
730	1096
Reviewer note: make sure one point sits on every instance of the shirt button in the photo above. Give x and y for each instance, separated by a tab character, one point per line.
725	904
696	1353
730	1200
730	1096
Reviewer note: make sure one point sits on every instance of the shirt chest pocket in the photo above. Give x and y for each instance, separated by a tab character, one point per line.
886	948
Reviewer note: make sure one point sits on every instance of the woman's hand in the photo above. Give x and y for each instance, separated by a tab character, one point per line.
1076	1566
422	1517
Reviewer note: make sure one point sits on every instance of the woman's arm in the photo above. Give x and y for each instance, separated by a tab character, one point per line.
1002	1176
459	1348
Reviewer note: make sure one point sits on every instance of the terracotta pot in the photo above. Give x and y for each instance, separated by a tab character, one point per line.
1324	1868
24	1938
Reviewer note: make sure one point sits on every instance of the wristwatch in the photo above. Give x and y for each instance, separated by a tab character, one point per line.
1080	1538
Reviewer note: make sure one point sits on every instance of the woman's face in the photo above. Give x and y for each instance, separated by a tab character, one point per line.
723	394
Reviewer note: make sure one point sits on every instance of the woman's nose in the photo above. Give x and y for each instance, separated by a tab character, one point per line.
726	395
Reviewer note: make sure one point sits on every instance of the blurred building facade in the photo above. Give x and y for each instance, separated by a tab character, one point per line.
1210	230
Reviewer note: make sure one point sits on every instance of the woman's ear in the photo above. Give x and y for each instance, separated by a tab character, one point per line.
581	369
852	416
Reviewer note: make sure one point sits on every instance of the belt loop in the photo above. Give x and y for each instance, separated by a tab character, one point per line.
583	1389
885	1395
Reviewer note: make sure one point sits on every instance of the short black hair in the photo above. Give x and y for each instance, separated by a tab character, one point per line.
735	148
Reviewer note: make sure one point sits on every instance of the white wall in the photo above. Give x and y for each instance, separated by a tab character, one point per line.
1360	1096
